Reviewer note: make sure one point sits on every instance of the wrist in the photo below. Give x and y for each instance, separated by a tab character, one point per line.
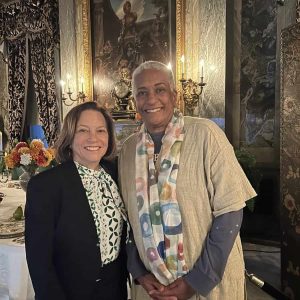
141	279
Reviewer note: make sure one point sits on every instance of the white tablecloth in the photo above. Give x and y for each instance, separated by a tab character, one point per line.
15	282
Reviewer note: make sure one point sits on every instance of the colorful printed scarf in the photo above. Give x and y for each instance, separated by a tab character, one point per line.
159	213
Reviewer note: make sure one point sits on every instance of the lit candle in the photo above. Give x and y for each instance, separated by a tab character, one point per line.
1	142
99	86
62	83
169	66
182	65
81	81
6	167
68	81
202	69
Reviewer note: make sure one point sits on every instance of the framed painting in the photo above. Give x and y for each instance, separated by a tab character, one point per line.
123	35
123	129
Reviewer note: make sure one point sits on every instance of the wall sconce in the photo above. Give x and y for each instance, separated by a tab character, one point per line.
192	90
68	100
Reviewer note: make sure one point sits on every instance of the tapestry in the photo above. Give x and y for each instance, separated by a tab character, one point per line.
290	160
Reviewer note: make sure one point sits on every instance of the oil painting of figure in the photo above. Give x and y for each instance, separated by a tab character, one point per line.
124	34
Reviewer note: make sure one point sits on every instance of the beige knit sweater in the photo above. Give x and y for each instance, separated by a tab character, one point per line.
210	182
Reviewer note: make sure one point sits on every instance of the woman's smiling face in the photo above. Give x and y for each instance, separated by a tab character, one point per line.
90	141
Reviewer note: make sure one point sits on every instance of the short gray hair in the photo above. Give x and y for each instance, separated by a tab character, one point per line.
153	65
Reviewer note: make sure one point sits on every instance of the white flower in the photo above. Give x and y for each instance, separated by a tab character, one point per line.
25	159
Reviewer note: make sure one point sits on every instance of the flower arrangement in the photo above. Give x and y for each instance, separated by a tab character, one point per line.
31	156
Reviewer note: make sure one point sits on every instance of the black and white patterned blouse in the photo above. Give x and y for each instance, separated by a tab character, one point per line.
107	208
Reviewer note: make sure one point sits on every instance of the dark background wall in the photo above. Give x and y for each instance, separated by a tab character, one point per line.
252	115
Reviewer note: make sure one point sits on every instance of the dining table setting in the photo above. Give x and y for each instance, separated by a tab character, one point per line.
15	282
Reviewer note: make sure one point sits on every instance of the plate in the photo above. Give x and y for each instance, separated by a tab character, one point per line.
11	229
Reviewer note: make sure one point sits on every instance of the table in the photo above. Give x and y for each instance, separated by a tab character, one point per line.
15	282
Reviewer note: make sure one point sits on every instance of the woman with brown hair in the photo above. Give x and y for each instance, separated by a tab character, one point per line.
75	226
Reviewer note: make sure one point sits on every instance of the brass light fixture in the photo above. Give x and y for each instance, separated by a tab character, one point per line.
67	98
192	91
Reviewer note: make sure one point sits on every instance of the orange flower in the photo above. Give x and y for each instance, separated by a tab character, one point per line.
48	155
24	150
52	152
44	158
41	160
20	145
35	153
9	162
12	159
36	144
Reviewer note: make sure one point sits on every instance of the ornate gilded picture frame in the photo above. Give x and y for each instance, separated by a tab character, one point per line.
96	45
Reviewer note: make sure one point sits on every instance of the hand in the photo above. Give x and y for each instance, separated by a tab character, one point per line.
150	283
153	287
179	287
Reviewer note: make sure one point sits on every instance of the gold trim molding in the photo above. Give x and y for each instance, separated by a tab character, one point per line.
87	48
298	11
180	42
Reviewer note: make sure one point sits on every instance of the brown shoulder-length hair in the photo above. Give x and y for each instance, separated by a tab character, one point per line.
63	144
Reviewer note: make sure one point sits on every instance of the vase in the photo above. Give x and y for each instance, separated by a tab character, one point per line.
23	180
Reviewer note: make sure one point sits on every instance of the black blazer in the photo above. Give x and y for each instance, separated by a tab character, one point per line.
61	241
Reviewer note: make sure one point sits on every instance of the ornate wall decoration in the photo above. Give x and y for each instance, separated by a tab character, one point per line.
258	67
290	159
180	49
205	40
74	50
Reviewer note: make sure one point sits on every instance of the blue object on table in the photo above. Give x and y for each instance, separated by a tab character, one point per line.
37	132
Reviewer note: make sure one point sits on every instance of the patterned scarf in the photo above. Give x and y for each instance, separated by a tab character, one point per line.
159	213
107	208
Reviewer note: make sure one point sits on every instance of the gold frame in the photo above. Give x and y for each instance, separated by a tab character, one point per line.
87	48
180	49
